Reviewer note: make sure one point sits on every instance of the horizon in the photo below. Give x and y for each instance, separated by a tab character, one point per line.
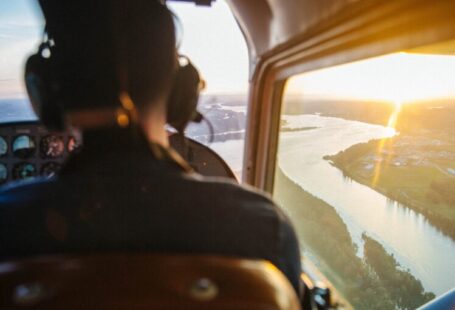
399	77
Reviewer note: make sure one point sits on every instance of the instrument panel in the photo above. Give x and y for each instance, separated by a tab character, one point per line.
28	149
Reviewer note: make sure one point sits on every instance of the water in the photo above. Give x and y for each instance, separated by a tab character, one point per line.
232	153
415	243
16	110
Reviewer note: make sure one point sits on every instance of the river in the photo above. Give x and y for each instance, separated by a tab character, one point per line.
416	244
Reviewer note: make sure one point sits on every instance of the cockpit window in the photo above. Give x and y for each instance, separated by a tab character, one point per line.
211	38
366	168
21	29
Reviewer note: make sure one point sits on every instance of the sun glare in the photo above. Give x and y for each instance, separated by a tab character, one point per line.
391	131
400	77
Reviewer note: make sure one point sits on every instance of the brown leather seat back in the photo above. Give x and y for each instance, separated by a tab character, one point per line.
143	281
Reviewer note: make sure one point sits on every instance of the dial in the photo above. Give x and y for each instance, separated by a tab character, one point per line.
3	173
51	146
23	171
24	146
50	169
73	145
3	147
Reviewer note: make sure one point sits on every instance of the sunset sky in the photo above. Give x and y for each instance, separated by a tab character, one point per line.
212	39
399	77
20	31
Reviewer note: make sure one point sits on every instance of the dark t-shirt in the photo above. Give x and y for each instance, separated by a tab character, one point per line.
115	196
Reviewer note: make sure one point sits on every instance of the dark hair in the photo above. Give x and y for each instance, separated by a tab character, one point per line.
105	46
146	38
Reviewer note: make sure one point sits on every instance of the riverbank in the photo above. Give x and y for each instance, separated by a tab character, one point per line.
409	170
323	233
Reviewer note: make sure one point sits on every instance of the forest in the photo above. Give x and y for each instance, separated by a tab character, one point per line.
363	282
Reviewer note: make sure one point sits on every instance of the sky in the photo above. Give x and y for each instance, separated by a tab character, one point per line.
20	31
399	78
210	37
215	44
213	41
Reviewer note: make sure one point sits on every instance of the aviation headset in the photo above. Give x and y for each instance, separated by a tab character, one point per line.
43	88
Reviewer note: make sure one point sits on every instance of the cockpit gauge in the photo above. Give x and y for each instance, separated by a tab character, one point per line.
3	173
24	146
22	171
52	146
3	147
50	169
73	145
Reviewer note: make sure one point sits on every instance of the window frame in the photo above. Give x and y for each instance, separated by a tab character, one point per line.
364	30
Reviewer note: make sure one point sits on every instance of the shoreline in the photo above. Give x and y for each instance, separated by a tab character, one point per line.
441	224
323	233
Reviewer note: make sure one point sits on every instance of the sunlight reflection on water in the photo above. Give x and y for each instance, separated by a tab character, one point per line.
414	242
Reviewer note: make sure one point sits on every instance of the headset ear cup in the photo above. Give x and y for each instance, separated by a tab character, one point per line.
43	99
35	82
182	103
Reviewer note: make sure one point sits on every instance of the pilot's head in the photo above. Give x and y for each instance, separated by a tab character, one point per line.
100	49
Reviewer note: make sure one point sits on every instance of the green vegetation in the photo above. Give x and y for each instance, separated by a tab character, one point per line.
323	233
434	115
442	191
404	289
410	169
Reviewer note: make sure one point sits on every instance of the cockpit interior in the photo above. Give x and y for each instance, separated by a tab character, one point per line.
340	112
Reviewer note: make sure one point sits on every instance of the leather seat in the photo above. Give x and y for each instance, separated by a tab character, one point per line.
143	281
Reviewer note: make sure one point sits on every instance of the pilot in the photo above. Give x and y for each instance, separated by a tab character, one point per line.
108	68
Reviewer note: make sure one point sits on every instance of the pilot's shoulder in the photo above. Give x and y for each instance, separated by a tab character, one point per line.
226	185
235	195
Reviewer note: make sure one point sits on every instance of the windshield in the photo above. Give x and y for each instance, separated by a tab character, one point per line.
21	26
221	60
223	63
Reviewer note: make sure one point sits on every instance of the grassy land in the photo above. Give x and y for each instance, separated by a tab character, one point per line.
323	233
414	174
404	289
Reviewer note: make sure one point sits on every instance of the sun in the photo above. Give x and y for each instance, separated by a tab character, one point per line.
399	77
